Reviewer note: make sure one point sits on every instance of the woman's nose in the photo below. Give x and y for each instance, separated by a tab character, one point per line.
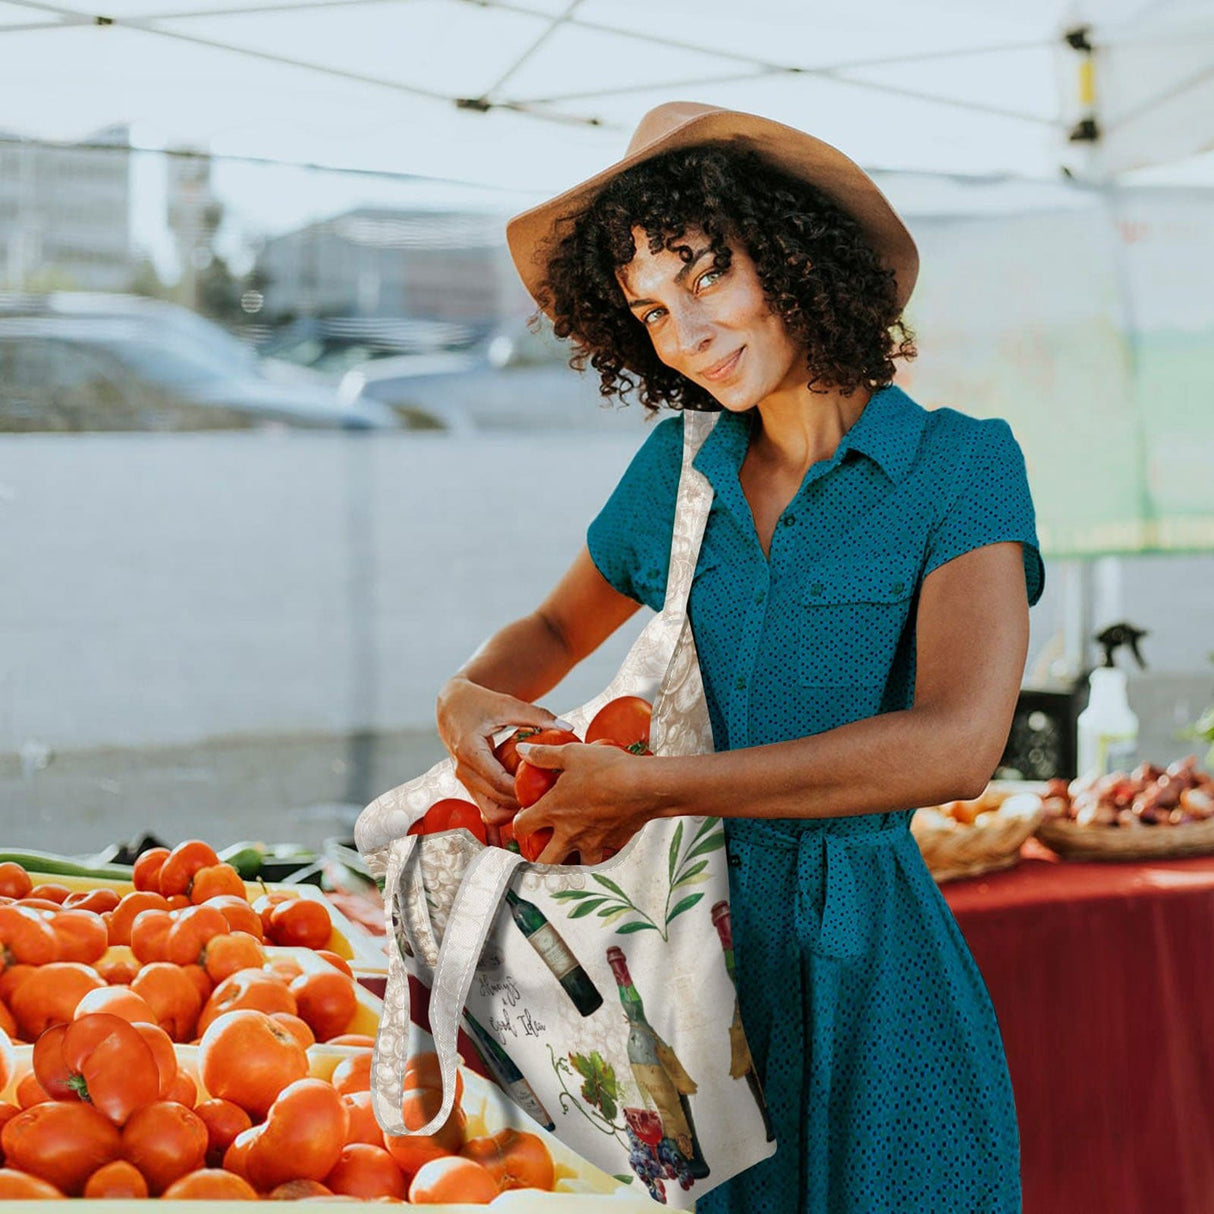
693	334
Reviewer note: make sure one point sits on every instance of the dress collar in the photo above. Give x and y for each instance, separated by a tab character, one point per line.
888	431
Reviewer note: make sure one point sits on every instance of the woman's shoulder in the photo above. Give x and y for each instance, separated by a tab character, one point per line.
952	436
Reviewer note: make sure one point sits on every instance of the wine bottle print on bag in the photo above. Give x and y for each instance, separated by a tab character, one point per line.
509	1078
741	1064
555	953
661	1077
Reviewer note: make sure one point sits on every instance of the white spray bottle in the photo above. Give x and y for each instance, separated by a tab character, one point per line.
1107	727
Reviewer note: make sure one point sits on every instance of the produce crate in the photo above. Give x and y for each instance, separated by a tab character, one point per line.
487	1111
362	950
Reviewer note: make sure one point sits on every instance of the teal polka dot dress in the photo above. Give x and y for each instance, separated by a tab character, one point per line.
870	1025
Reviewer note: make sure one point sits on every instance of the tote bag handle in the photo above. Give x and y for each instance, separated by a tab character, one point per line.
483	885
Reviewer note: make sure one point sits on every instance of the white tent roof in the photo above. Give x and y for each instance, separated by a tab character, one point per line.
951	86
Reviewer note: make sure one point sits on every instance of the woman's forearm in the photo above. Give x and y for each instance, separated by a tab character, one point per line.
897	760
525	659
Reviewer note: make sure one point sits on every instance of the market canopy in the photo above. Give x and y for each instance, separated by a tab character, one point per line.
536	94
1074	303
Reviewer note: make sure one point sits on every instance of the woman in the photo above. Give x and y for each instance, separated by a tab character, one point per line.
860	611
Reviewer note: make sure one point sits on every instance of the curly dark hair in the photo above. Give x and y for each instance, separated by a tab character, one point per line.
816	268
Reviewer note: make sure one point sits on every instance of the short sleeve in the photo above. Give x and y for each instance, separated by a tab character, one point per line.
990	503
629	539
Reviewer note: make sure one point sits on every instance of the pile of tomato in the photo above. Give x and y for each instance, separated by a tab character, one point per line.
170	1052
623	722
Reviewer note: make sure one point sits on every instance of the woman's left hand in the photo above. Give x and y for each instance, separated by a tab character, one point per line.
597	804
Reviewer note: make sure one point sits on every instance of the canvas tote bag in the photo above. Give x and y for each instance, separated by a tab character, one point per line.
603	995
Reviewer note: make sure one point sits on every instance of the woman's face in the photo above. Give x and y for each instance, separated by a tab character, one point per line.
713	326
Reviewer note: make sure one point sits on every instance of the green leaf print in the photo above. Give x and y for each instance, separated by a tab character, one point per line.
686	904
599	1087
681	870
691	874
710	844
608	883
675	843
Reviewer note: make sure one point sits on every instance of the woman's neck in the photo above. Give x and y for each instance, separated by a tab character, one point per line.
792	431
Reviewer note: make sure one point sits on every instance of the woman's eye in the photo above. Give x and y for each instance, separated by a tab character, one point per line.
709	274
652	312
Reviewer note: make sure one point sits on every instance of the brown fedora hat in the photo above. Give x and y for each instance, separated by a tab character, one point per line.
678	124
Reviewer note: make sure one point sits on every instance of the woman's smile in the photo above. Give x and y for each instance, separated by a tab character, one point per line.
725	369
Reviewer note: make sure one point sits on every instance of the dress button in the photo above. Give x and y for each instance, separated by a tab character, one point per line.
741	683
816	588
898	586
789	519
760	595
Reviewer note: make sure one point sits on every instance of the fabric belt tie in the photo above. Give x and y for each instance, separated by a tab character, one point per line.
827	852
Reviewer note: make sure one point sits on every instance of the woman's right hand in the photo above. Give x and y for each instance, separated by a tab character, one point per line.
468	716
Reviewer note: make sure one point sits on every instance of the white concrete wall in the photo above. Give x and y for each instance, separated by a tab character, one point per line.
161	589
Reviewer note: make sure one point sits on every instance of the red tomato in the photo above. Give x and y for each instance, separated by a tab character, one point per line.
247	988
300	923
172	996
363	1126
52	891
625	720
146	875
14	880
514	1158
118	1001
24	1186
302	1136
366	1171
98	900
454	1179
193	928
128	909
247	1058
165	1141
60	1142
353	1074
177	872
210	1184
214	881
50	994
451	813
161	1045
26	938
101	1059
117	1179
507	754
224	1120
532	845
327	1002
531	783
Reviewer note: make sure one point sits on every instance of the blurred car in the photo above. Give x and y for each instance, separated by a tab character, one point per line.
332	345
502	386
76	361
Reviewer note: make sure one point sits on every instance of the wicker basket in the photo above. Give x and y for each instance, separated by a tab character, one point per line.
1074	842
951	850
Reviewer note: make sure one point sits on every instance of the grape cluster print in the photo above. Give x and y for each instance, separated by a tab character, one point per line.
654	1157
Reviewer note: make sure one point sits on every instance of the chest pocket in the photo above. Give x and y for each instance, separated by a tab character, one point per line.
851	619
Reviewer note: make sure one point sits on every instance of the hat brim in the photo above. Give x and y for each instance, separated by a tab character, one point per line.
530	234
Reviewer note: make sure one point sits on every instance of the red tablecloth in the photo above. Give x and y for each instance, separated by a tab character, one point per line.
1102	976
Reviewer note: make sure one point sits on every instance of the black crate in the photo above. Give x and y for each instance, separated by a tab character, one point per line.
1041	742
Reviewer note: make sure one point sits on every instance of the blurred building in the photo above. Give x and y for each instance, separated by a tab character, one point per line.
194	215
65	212
428	265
